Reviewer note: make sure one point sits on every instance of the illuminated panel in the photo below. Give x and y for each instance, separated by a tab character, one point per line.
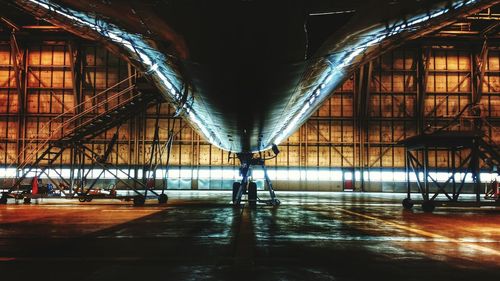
280	174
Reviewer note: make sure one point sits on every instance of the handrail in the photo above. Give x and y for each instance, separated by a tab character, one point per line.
103	113
75	107
493	128
73	118
63	125
459	116
456	118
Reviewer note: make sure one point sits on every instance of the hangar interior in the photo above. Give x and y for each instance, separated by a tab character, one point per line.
52	80
85	128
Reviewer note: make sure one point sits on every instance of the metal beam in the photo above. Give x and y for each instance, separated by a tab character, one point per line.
362	102
479	66
423	60
18	57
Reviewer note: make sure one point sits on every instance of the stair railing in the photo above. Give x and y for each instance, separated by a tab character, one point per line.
73	118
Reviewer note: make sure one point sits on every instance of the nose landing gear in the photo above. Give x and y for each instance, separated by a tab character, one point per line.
248	187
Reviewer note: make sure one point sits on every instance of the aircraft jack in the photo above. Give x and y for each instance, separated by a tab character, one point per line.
248	187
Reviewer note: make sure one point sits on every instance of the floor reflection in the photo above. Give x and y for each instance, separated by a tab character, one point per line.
200	236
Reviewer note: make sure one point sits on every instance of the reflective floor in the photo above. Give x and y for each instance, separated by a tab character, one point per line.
199	236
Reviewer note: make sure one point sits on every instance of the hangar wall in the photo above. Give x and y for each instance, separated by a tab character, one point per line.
354	133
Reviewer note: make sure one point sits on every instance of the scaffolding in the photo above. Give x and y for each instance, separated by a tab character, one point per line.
474	148
72	132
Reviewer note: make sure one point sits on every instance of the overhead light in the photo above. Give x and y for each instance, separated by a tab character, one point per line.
332	13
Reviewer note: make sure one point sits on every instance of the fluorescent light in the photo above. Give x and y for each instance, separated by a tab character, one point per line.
332	13
276	174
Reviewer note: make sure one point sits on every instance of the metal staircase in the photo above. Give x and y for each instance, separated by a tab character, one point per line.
469	119
101	113
468	135
97	124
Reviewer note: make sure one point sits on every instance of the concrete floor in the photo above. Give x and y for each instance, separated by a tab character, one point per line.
199	236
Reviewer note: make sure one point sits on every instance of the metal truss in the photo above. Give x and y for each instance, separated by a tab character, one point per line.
473	148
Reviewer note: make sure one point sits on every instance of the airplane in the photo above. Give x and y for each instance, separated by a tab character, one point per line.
244	73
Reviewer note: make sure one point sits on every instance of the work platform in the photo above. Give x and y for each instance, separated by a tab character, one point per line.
467	148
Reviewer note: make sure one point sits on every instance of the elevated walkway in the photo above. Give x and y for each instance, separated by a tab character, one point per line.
466	149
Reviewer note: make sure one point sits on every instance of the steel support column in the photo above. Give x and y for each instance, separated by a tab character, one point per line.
423	59
362	102
20	69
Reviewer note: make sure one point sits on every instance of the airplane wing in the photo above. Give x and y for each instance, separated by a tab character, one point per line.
242	73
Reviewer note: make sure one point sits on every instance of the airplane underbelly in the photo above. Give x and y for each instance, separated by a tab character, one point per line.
244	105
